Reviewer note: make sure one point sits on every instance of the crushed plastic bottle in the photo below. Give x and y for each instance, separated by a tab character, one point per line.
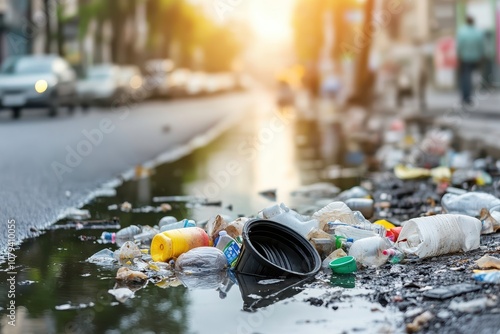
354	192
108	237
369	251
181	224
146	235
229	247
469	204
336	211
439	235
201	260
395	255
167	220
128	232
487	277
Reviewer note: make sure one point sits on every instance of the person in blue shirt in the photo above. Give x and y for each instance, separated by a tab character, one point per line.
470	45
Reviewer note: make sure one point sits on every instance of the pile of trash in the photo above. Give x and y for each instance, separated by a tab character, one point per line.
280	243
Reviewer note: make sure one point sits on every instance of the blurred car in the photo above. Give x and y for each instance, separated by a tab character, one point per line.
228	81
102	86
157	73
37	81
196	84
213	83
132	82
177	81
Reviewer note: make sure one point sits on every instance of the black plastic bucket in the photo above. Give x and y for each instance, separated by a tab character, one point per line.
271	249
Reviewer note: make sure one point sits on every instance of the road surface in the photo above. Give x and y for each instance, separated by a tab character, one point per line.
50	164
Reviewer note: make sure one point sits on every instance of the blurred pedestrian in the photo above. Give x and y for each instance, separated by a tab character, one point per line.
488	59
470	45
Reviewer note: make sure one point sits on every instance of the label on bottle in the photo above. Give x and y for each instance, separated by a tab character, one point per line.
232	251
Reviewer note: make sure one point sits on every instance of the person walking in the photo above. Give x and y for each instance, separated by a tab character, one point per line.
488	59
470	52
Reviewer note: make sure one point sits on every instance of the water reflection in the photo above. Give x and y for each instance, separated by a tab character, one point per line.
257	292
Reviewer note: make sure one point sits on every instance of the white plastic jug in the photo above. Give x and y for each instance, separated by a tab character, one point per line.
286	216
439	234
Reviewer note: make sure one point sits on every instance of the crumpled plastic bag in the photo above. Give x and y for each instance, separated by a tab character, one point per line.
335	211
126	275
104	257
201	260
128	250
488	262
469	204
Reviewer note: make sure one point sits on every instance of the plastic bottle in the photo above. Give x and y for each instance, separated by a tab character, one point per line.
354	232
369	251
167	220
229	247
395	255
128	232
439	234
147	234
181	224
488	277
169	244
343	242
108	237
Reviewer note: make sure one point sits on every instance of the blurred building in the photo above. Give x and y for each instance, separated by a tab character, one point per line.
17	35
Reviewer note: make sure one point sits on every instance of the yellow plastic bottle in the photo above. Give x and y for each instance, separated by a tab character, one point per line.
170	244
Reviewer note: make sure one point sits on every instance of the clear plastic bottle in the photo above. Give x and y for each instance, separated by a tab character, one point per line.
167	220
147	234
488	277
181	224
369	251
108	237
395	255
128	232
229	247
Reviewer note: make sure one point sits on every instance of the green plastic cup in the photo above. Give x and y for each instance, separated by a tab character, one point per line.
344	265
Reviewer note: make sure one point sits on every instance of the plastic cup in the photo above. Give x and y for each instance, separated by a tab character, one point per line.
344	265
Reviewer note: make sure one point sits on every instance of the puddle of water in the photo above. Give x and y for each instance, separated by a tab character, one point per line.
67	294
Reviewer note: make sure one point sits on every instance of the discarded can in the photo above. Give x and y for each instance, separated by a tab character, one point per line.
363	205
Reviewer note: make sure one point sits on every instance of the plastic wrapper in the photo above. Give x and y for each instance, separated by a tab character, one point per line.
201	260
488	262
104	256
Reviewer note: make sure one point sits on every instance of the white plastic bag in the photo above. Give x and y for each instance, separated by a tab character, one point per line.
335	211
440	234
469	204
201	260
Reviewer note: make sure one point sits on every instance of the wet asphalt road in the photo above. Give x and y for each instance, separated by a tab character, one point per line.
50	164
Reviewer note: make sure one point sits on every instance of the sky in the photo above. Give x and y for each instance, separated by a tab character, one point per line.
271	19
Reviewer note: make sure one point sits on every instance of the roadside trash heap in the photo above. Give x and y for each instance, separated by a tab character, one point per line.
279	243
